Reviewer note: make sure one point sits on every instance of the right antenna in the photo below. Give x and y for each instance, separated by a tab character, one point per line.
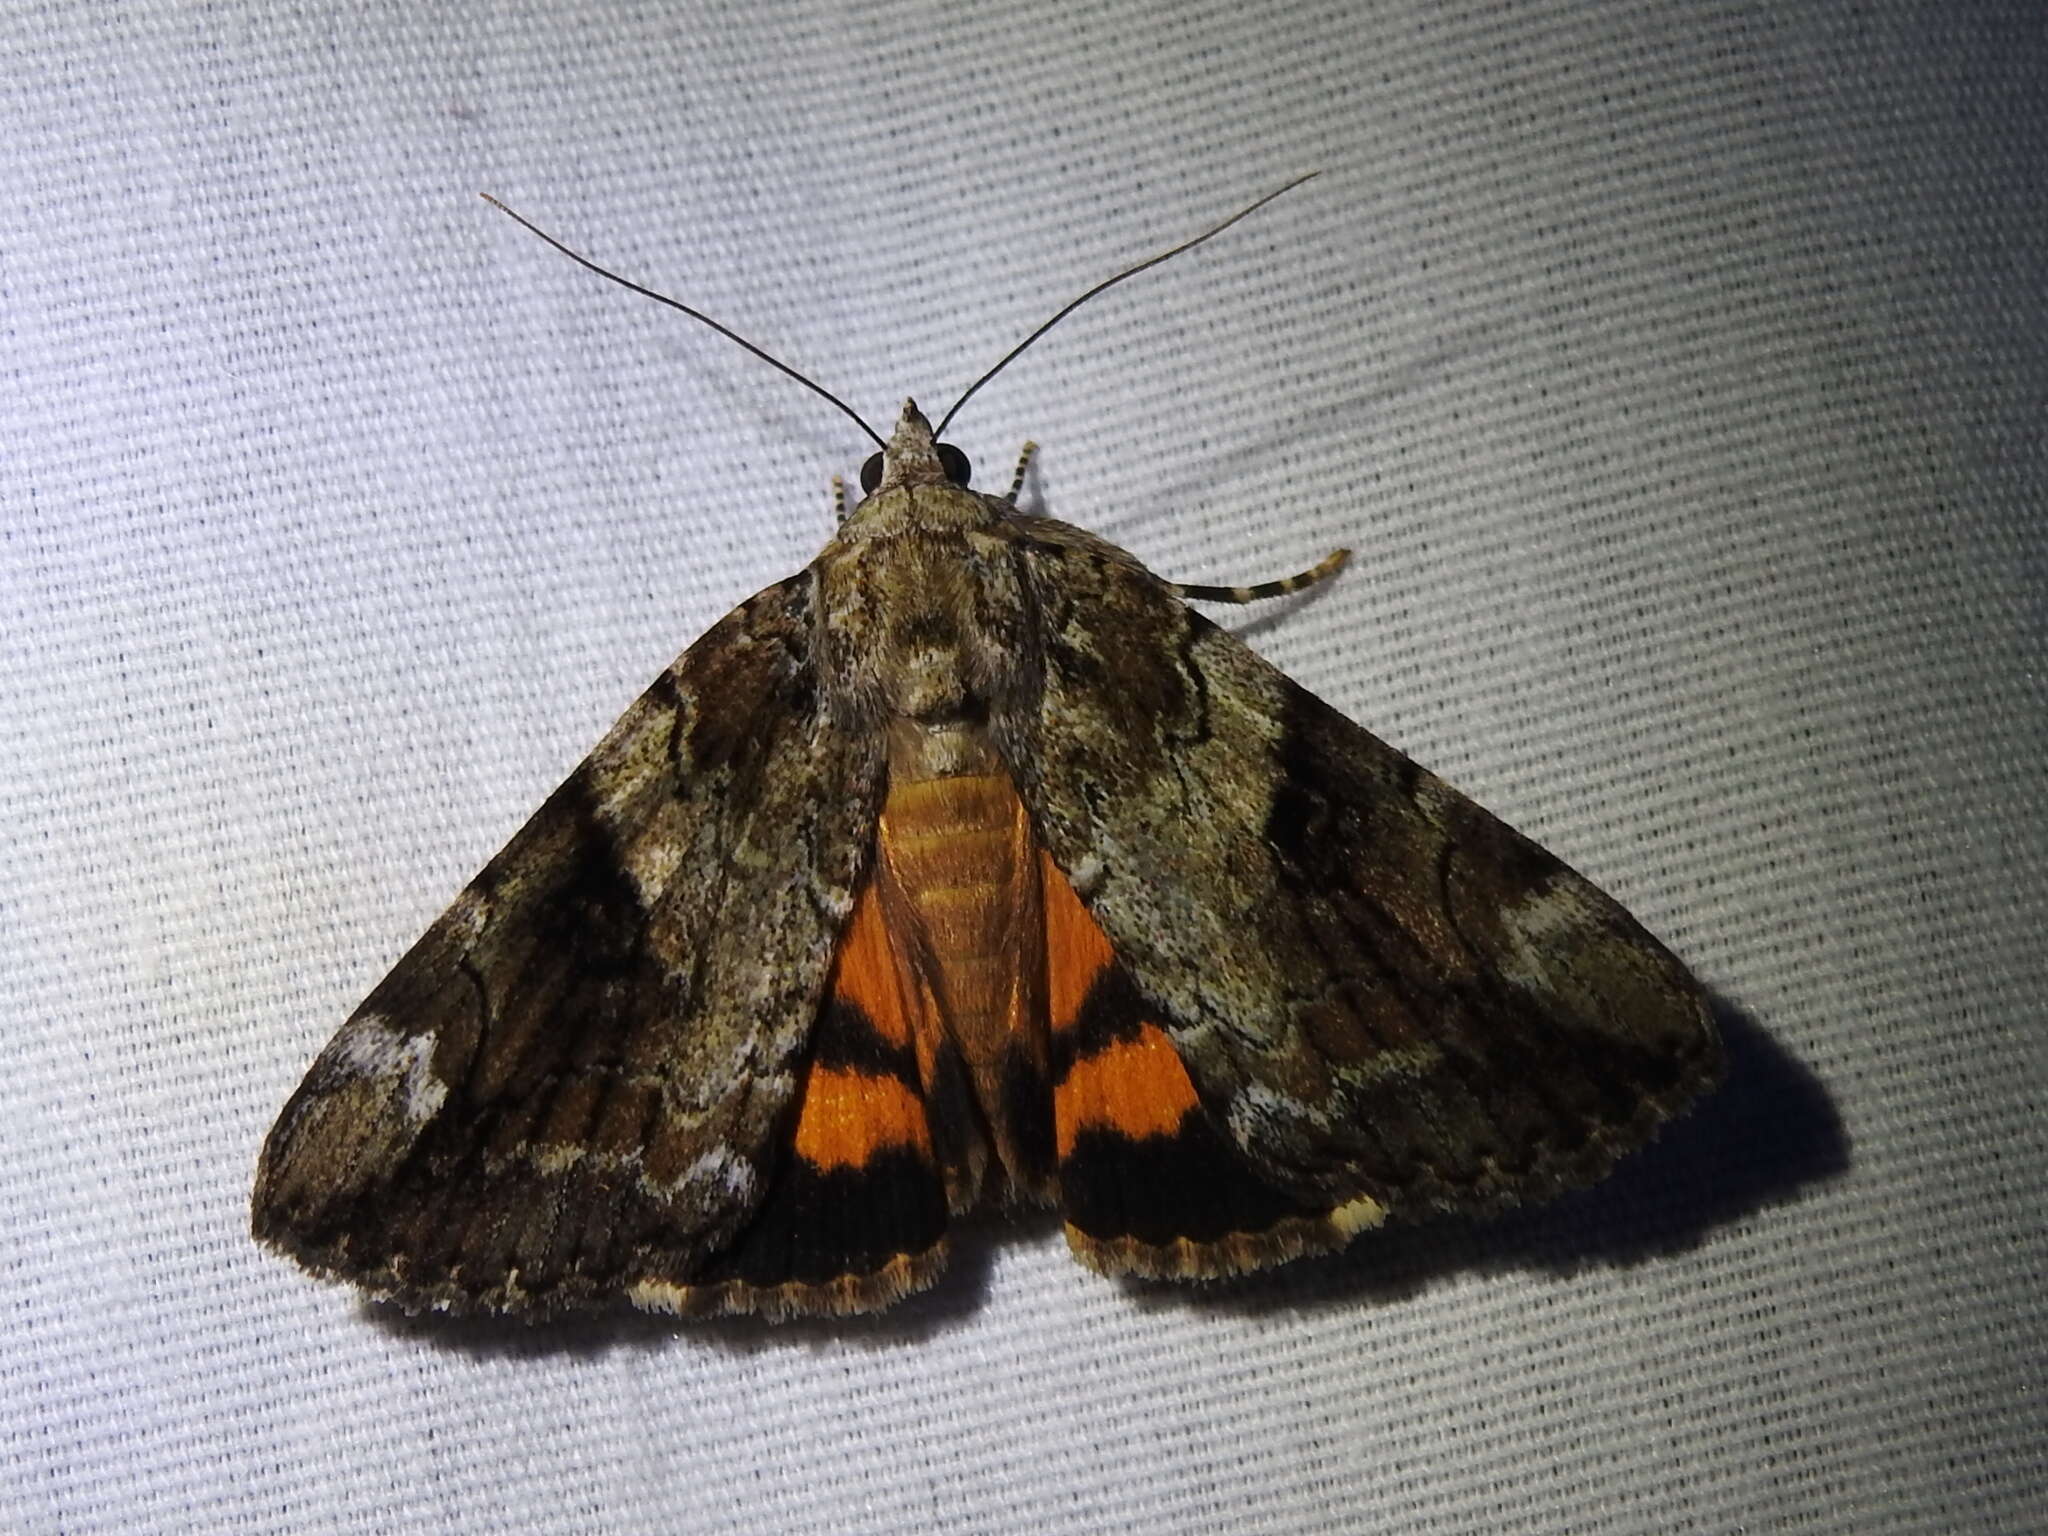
1111	282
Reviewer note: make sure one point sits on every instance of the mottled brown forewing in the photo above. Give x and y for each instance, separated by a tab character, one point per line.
1383	993
571	1085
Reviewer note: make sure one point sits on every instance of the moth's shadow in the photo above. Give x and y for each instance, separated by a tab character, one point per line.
1770	1131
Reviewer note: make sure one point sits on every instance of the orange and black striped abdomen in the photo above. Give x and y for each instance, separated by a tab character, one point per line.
957	871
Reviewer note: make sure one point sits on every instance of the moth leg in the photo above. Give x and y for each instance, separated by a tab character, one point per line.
1024	458
1322	570
838	499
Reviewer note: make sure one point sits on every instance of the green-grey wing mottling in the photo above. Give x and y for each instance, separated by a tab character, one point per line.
1381	991
567	1087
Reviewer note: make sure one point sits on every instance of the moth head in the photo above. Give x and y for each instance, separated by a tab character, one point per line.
914	457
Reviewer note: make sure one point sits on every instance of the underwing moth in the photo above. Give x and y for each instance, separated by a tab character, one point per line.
970	865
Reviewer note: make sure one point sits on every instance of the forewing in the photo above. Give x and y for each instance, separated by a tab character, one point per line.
1388	999
570	1087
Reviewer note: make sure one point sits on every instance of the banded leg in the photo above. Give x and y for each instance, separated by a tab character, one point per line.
1023	468
1322	570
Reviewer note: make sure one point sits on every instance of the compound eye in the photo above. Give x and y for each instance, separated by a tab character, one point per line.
955	464
871	474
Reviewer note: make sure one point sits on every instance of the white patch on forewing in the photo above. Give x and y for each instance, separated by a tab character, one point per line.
1255	1108
370	1048
718	1179
1541	927
731	1175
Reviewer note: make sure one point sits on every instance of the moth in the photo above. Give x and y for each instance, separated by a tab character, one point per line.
971	865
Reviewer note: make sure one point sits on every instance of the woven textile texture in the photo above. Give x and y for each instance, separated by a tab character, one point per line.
1676	371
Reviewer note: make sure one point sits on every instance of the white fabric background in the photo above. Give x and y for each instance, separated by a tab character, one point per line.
1676	370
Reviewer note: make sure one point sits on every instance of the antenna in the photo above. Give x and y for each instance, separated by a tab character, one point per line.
818	389
661	298
1111	282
